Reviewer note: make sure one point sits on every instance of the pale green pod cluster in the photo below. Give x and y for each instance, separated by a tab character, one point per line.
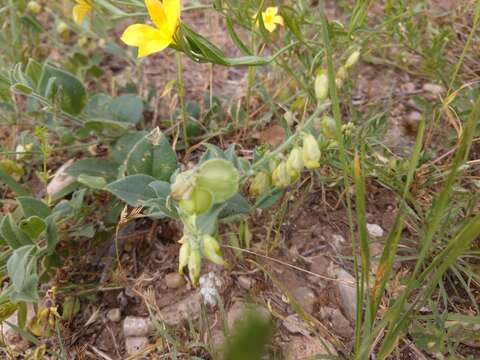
283	173
193	249
197	190
342	72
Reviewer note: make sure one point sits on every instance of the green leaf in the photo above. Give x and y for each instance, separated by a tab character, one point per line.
126	108
134	189
94	167
164	162
33	207
207	223
236	205
94	182
33	226
12	183
125	144
51	234
268	200
33	72
12	234
22	270
107	127
73	93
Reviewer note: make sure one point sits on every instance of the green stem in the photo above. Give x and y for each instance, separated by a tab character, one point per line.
181	96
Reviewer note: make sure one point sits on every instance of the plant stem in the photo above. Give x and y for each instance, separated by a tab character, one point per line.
181	96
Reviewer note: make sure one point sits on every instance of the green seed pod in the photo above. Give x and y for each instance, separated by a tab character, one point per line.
261	184
200	202
219	177
328	127
311	152
34	7
183	185
352	59
183	256
295	163
211	250
321	85
194	265
280	177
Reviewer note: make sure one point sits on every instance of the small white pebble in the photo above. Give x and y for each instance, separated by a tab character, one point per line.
135	344
114	315
375	230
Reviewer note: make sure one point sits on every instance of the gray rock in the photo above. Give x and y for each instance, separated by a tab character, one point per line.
135	344
114	315
245	282
348	294
305	297
174	280
375	230
293	324
433	88
339	324
175	314
306	347
135	326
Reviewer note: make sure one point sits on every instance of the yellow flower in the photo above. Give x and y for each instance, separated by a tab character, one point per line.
81	10
271	19
166	17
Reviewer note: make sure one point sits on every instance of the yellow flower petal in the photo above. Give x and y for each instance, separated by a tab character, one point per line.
172	11
148	39
156	10
278	20
271	11
80	11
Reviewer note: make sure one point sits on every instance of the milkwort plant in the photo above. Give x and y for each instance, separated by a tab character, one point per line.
314	54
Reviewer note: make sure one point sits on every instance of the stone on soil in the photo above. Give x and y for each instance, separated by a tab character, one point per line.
135	326
348	293
174	280
305	297
307	347
135	344
374	230
114	315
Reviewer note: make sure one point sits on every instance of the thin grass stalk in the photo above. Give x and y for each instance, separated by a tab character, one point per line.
397	319
386	261
343	158
181	96
359	179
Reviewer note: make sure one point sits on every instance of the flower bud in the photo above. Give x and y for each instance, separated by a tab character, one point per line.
328	127
352	59
194	265
321	85
211	250
220	177
311	152
82	41
183	256
341	76
34	7
183	185
199	202
62	28
261	184
280	177
294	163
